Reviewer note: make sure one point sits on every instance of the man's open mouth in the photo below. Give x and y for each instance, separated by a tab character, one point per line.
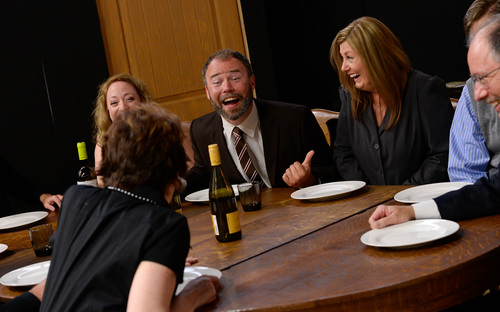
230	100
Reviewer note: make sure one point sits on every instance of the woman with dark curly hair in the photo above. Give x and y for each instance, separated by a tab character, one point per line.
121	247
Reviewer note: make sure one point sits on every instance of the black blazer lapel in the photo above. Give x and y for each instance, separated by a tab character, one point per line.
270	139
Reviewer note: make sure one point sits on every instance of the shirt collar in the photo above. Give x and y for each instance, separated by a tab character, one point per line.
249	125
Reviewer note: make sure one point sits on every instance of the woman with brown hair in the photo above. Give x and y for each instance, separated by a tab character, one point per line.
394	121
119	92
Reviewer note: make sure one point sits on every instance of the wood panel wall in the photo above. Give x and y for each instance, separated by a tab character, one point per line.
166	43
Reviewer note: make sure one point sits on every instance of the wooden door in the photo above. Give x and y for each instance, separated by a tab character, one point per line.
166	43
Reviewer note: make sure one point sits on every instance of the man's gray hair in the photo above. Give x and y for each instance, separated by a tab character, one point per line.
494	35
224	55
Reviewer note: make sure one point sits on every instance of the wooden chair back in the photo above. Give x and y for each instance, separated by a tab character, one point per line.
322	116
454	102
187	143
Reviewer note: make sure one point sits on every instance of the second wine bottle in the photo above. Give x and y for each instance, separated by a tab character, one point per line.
86	174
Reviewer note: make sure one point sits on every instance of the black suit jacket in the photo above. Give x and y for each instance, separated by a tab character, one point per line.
289	132
472	201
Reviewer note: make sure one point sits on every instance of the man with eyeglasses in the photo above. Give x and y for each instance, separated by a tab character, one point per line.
482	198
474	150
476	78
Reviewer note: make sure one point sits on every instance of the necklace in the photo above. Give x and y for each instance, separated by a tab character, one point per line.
133	195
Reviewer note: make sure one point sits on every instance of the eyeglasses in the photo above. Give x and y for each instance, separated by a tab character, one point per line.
481	79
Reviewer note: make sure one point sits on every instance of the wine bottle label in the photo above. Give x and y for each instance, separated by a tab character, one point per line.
214	222
233	222
89	182
175	203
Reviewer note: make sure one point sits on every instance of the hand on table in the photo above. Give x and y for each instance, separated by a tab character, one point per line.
191	260
386	215
49	200
300	174
198	292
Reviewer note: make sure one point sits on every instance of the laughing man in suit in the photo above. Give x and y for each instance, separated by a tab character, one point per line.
285	143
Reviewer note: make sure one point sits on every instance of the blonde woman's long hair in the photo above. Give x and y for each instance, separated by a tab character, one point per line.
102	121
384	59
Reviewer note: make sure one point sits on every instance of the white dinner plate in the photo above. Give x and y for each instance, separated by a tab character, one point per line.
190	273
27	276
428	191
21	219
202	196
3	247
35	273
410	234
328	191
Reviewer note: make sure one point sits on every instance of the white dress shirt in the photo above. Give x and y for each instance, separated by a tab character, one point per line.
253	138
426	210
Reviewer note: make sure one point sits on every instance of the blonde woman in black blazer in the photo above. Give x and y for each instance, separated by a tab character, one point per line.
394	121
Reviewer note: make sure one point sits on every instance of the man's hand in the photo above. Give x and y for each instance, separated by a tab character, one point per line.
49	200
190	261
300	174
389	215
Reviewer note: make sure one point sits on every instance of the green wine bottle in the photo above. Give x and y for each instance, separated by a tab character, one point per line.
175	203
225	217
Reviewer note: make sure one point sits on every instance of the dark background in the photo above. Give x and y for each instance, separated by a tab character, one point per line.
289	42
52	60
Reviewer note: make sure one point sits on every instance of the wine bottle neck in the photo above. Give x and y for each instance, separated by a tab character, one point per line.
82	151
213	151
82	155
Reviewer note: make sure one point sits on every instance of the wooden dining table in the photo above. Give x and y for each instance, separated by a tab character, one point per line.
307	256
20	253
